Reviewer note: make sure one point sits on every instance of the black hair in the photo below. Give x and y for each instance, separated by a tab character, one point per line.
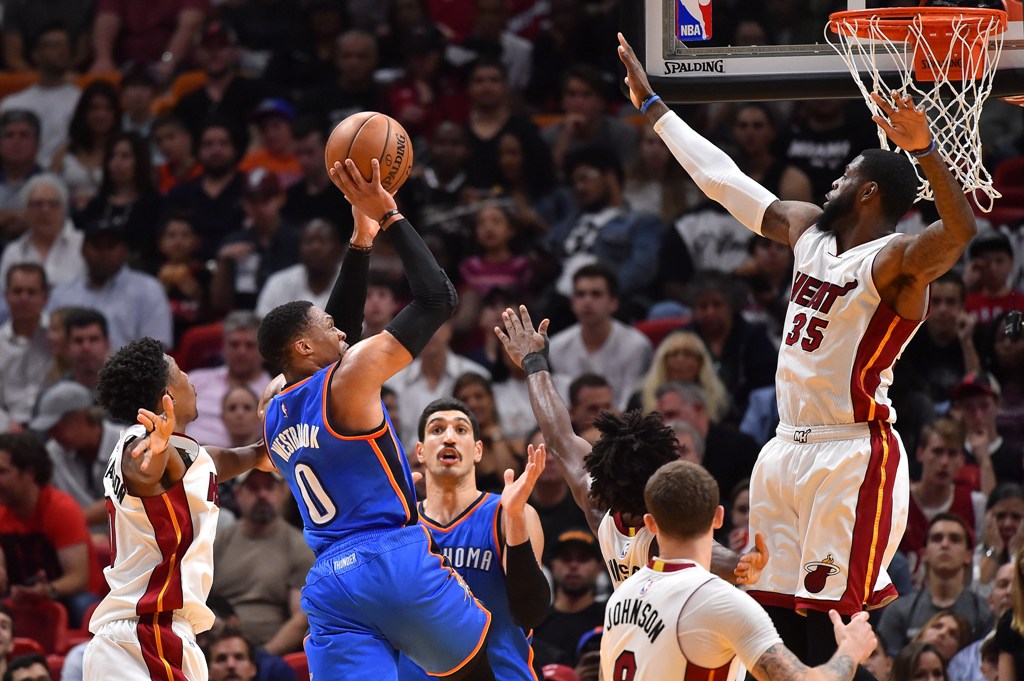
306	125
598	271
599	157
80	135
1006	490
229	633
586	381
447	404
279	328
81	317
33	267
597	80
538	164
239	137
631	448
143	176
177	216
716	281
951	518
24	662
28	453
896	179
135	377
378	279
50	27
952	277
169	120
487	61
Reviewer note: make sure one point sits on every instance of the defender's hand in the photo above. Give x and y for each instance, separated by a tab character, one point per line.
636	78
160	428
516	492
907	125
748	569
519	337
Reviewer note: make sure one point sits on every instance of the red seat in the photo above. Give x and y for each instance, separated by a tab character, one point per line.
22	645
82	634
1008	177
299	665
200	346
42	620
56	664
657	329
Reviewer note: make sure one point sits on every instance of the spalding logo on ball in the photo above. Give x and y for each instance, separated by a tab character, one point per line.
370	135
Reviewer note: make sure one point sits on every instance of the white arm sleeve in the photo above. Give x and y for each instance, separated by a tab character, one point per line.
715	173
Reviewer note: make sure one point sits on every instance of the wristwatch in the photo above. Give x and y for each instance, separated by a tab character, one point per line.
167	57
990	551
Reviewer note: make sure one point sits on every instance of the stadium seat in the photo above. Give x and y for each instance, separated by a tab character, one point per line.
187	82
112	77
16	81
42	620
299	665
657	329
200	347
22	645
56	664
82	634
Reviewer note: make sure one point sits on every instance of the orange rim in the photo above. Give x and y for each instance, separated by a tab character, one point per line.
895	22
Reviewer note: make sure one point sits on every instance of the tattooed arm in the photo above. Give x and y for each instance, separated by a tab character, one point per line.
856	641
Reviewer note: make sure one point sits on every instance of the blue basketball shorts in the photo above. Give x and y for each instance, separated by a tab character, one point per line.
378	593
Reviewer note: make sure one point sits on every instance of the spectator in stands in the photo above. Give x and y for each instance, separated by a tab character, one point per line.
739	516
231	657
88	346
51	239
947	558
575	567
744	357
729	455
655	183
496	261
936	359
242	366
753	132
966	664
503	451
691	444
598	343
19	147
351	87
381	303
160	36
239	414
768	274
29	667
79	441
947	631
185	278
225	94
264	245
25	20
526	174
314	195
435	194
553	501
976	401
214	198
589	395
1006	362
26	357
138	94
134	303
95	122
6	636
879	663
1002	535
989	264
127	198
307	60
682	357
313	277
46	543
174	142
1010	629
587	121
490	38
940	452
275	148
267	600
53	98
918	661
262	26
429	377
601	226
269	667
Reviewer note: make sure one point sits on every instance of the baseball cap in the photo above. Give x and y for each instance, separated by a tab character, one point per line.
62	398
558	672
583	538
272	106
97	229
217	34
241	478
990	241
975	383
262	183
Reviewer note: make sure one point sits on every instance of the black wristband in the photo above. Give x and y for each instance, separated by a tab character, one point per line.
391	213
536	361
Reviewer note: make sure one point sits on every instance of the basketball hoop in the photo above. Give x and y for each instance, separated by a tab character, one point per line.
945	58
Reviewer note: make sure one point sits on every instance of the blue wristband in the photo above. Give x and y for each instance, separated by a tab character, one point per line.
930	149
646	104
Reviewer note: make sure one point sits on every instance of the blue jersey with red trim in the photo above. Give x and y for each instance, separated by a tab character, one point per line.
472	546
344	484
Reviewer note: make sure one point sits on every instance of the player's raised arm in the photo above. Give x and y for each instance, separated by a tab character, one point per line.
150	460
529	593
528	347
712	169
913	262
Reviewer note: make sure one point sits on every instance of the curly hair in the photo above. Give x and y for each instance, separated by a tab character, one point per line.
135	377
632	447
277	330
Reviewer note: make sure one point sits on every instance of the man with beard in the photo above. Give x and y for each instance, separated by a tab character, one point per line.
832	485
214	199
267	599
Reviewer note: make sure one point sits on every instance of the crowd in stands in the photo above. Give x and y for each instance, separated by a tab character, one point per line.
161	174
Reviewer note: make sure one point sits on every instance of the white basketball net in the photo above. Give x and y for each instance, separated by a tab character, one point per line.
953	107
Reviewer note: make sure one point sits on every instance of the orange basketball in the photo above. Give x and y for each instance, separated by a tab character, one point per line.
370	135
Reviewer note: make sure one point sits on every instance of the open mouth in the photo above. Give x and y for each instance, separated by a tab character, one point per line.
449	455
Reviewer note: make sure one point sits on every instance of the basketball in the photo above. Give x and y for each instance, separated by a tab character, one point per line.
370	135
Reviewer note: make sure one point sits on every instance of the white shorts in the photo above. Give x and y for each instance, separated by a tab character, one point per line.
832	504
137	650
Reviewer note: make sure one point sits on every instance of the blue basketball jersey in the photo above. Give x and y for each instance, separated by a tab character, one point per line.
344	484
472	546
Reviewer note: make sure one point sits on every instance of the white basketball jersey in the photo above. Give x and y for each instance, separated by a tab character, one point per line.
162	546
625	549
839	340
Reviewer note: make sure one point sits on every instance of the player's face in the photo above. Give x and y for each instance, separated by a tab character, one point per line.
929	668
840	200
183	393
448	448
1008	514
229	661
940	460
327	341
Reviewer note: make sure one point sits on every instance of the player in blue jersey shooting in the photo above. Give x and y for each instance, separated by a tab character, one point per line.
379	585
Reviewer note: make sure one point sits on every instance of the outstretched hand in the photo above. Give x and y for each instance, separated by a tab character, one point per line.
748	569
519	336
905	124
159	427
636	78
516	492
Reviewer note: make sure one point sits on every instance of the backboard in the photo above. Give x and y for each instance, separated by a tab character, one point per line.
707	51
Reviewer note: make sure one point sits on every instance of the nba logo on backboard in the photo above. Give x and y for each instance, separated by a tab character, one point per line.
693	20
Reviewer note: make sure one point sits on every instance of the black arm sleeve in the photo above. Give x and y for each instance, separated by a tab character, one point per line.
348	297
433	296
529	594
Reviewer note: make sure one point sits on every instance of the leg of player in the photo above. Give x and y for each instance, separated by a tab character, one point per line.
478	668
